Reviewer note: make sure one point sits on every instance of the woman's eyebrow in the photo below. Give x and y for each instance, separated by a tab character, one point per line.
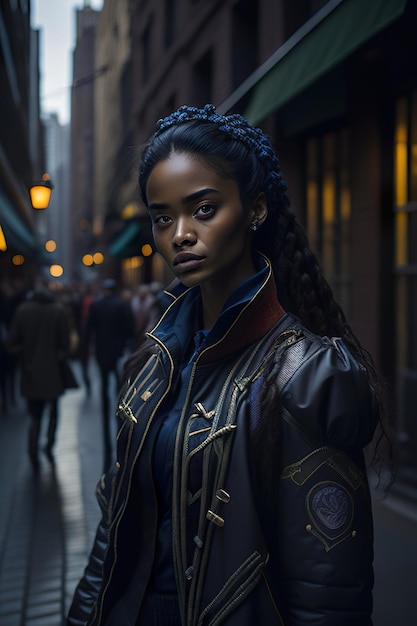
154	206
198	194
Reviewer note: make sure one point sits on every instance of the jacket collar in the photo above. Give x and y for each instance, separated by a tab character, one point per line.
251	311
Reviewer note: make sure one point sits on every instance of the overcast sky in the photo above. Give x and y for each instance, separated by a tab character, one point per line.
56	20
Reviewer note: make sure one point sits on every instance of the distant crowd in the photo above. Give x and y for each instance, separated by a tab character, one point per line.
77	298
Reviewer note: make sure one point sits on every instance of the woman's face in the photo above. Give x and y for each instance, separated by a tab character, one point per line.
199	224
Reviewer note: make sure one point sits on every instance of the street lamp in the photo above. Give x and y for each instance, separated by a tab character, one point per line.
40	192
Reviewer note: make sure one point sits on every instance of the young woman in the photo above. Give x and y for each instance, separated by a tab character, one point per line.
239	495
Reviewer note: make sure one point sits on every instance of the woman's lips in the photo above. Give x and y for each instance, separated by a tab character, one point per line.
185	261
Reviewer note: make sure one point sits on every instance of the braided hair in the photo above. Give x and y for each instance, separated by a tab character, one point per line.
237	150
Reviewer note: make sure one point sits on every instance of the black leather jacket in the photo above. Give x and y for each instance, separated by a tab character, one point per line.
297	551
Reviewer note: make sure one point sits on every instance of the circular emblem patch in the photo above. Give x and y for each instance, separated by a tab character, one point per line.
330	507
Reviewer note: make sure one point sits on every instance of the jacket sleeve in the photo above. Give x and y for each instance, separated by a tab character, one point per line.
324	541
89	586
88	589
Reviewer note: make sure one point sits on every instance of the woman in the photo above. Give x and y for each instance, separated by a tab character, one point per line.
239	496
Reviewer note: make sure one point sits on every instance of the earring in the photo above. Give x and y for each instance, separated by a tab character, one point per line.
254	225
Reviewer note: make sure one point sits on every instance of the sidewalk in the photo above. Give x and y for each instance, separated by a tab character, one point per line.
48	522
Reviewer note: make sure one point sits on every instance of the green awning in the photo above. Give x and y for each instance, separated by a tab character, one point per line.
327	42
18	236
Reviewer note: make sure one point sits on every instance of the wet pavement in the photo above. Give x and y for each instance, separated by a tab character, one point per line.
48	521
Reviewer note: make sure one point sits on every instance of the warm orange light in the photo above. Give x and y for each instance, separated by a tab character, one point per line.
98	258
18	259
147	249
129	211
40	193
132	263
88	259
50	245
56	270
3	243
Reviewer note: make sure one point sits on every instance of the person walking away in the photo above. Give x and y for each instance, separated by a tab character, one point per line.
109	328
11	295
40	338
87	298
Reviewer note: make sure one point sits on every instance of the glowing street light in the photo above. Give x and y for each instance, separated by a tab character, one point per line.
50	245
3	243
40	192
56	270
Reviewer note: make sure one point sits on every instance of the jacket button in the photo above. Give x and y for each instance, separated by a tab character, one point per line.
216	519
117	464
222	495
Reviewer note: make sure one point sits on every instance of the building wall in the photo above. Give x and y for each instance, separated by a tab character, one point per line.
203	62
82	138
112	109
21	140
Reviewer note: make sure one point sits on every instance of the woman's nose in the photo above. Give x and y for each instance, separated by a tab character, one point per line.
184	234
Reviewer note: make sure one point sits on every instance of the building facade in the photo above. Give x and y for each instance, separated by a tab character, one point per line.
82	142
21	145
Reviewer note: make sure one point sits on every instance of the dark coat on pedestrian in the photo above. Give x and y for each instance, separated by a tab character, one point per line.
40	337
110	324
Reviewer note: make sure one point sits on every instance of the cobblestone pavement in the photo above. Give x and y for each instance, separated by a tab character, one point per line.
48	522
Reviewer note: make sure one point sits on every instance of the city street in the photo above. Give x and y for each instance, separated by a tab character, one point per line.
47	523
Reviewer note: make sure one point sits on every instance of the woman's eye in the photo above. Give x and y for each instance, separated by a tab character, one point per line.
205	210
162	220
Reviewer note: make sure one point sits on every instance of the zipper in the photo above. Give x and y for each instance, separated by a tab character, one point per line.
178	505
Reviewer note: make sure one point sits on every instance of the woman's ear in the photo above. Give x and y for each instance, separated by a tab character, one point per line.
260	209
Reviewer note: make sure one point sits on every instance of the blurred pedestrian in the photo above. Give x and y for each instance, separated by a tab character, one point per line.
146	309
87	297
109	327
39	338
11	295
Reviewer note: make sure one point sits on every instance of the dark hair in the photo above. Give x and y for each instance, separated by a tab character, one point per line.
237	150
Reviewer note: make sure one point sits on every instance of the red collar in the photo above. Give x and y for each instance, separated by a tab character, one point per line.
252	323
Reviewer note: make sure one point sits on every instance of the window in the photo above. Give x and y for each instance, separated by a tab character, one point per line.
328	203
202	80
405	265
